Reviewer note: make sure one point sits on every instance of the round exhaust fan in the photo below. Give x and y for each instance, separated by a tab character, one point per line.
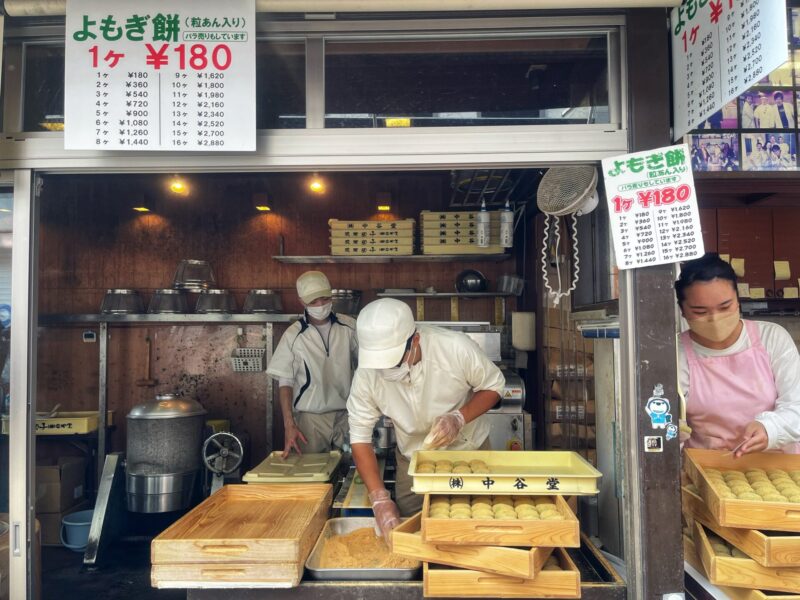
563	191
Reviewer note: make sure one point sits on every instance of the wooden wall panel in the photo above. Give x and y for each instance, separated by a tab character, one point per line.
747	233
708	224
786	242
91	240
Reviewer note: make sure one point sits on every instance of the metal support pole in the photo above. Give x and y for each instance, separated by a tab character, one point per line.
22	420
268	336
102	402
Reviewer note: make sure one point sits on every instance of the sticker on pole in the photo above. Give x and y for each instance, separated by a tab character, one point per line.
652	207
160	75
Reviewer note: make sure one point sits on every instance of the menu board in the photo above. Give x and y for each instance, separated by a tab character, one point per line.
150	75
653	207
719	49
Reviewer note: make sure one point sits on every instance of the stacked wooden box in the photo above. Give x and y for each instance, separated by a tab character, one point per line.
243	536
741	544
372	238
457	233
505	531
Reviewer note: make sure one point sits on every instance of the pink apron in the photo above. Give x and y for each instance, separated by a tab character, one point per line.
727	392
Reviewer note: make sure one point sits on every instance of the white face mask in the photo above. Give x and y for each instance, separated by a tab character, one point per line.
401	373
320	312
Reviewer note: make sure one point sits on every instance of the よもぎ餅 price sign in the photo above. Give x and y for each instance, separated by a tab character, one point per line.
652	207
156	75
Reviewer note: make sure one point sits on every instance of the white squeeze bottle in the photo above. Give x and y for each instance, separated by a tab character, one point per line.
507	226
483	226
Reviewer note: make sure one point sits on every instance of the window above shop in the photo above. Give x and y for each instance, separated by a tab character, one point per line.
467	82
468	73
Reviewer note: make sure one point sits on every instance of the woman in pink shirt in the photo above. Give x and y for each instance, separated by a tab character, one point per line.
740	378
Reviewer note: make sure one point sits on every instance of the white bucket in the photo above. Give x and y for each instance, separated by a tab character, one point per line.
75	530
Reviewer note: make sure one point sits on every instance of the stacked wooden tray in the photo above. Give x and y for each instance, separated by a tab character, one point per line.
743	543
500	557
372	238
508	472
243	536
457	233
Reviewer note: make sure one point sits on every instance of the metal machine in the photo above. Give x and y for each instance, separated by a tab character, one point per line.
163	453
512	427
222	455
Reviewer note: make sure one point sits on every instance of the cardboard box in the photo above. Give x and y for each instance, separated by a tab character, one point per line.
51	523
59	483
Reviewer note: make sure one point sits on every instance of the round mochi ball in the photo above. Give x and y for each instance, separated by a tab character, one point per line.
736	553
426	468
749	496
551	516
478	466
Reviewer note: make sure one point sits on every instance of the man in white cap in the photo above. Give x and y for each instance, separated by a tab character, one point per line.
314	364
433	383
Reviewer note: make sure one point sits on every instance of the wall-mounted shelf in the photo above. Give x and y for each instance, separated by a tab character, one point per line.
776	306
185	319
434	258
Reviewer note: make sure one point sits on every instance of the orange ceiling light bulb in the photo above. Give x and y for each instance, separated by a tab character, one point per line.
178	186
316	185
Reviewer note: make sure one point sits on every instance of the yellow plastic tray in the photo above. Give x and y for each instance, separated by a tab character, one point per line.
522	473
305	468
66	423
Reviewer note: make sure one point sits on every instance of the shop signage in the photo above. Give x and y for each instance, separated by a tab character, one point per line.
719	49
652	207
160	75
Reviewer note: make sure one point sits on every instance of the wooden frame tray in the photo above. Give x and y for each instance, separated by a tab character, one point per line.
768	550
221	575
511	473
305	468
690	555
461	583
498	532
511	562
742	572
745	514
246	524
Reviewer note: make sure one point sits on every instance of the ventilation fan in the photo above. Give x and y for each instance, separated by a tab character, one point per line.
565	191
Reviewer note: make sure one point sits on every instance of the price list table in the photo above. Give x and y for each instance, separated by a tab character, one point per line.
665	234
165	82
719	50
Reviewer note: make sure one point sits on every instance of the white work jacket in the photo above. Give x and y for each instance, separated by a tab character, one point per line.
321	369
453	367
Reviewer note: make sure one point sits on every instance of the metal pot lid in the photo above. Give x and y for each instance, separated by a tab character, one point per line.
170	292
263	292
167	406
122	292
215	292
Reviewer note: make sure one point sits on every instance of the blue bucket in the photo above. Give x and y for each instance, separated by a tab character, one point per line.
75	530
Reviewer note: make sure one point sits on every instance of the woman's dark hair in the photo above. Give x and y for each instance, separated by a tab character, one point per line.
706	268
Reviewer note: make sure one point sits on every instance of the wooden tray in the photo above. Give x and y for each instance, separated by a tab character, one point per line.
512	562
497	532
246	524
745	514
768	550
461	583
690	555
742	572
305	468
211	576
510	473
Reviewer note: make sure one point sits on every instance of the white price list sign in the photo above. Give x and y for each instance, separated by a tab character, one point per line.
652	207
156	75
720	48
